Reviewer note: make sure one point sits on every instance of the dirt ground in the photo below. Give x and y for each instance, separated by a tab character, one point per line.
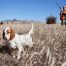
49	48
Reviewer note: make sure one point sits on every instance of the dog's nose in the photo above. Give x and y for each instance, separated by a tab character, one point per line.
3	35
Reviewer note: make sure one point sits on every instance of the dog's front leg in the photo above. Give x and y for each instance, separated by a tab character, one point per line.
19	52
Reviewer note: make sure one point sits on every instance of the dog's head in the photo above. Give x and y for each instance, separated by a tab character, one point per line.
8	33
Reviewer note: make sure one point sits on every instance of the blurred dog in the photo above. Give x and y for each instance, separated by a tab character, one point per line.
17	41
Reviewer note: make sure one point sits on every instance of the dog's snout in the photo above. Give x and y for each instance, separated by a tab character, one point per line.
3	35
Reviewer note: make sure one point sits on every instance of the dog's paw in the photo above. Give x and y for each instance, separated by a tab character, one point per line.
18	57
14	56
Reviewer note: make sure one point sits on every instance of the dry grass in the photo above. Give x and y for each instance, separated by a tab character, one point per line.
49	47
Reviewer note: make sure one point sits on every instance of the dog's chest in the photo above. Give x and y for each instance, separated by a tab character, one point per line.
13	45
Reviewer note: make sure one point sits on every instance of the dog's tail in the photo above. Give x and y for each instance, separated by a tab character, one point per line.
31	31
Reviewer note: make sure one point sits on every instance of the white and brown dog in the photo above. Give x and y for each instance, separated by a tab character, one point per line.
16	40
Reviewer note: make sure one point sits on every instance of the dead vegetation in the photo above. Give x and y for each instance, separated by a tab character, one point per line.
51	20
49	47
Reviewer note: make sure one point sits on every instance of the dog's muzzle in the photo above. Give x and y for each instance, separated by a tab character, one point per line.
4	35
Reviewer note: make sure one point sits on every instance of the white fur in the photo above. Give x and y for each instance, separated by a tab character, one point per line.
19	41
7	36
64	64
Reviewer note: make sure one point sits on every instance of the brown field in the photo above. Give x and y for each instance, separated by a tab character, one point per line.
49	47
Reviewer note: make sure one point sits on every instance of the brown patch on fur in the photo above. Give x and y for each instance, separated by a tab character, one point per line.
12	33
8	31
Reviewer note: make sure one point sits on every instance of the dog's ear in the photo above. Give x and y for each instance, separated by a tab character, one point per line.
12	34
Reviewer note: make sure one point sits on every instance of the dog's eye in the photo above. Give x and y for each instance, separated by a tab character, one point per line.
8	32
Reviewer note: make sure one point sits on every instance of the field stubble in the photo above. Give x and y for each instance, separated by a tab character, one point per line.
49	47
